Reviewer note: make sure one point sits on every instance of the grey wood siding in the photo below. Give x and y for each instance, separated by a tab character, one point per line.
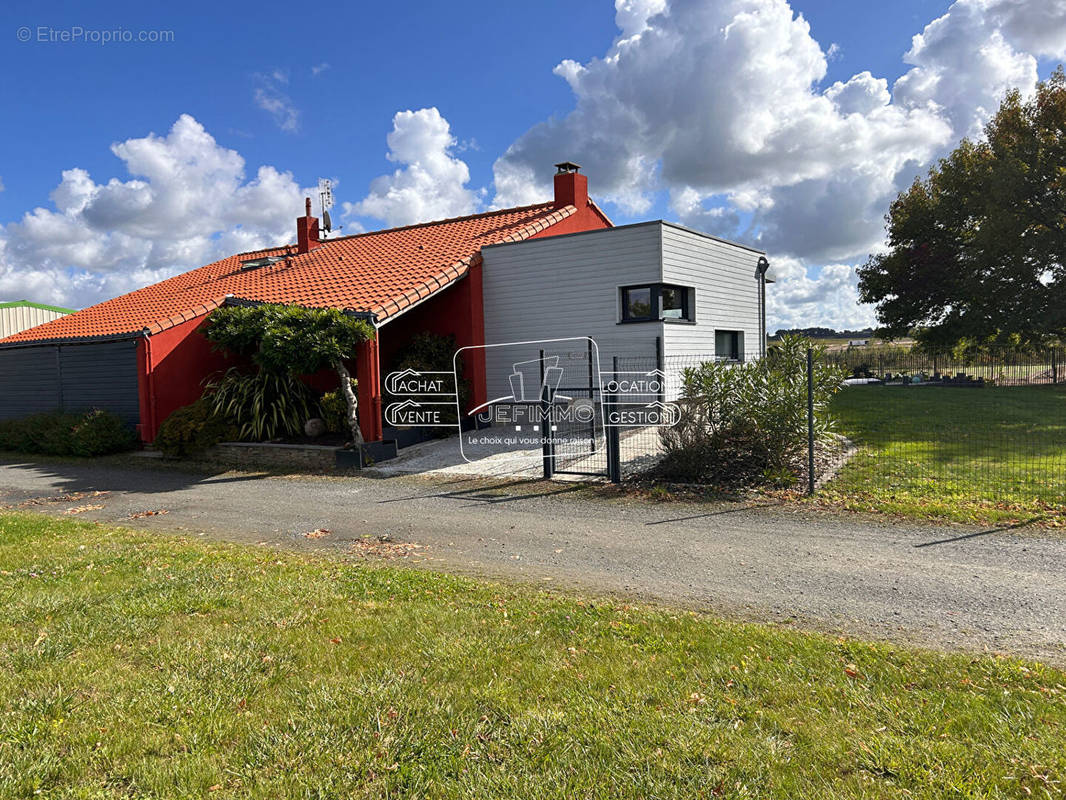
568	286
727	294
70	376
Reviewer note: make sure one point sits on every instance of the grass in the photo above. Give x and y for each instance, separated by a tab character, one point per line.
141	665
980	455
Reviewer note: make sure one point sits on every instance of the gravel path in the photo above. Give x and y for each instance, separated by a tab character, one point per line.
949	587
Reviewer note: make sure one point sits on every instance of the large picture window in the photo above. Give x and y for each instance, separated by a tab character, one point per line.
657	301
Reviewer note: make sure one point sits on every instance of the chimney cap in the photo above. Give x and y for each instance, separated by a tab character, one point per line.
566	166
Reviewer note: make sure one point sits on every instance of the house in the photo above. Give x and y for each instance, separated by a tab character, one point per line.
858	342
22	314
647	293
541	271
142	356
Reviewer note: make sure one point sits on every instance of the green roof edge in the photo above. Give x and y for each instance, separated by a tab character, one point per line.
42	306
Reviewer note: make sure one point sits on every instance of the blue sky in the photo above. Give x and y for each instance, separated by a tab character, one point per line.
486	65
315	94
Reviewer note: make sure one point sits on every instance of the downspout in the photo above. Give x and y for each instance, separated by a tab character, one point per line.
150	369
760	274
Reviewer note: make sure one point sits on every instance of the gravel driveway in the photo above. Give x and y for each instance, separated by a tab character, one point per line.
950	587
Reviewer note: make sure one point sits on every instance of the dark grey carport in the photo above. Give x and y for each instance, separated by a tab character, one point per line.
38	377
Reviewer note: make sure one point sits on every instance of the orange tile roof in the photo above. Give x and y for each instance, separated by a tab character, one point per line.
381	272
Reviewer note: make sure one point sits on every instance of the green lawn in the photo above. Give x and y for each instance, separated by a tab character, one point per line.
981	454
143	665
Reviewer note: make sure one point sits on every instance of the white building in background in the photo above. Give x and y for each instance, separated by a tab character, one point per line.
21	315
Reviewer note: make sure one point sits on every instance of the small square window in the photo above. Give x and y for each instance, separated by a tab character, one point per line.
729	345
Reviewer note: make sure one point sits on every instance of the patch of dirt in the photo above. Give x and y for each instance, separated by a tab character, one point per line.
73	497
383	547
829	458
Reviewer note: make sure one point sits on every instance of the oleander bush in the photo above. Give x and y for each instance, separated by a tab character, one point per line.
746	424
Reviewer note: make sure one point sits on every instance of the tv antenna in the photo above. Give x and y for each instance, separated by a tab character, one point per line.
325	200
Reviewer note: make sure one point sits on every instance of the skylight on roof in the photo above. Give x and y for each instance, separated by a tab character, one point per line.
256	263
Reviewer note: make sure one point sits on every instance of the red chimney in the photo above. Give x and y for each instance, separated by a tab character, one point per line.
307	231
571	189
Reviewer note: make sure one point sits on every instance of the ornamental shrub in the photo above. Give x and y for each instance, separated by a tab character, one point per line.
192	429
62	433
746	424
335	409
98	432
264	405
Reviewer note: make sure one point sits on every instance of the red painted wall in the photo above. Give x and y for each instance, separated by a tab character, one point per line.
173	367
584	219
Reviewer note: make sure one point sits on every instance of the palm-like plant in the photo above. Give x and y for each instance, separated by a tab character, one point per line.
263	405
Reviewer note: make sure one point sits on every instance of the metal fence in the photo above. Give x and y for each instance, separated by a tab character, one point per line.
912	426
989	426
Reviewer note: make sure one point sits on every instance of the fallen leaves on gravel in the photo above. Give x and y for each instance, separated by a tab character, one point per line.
82	509
318	533
383	549
72	497
143	514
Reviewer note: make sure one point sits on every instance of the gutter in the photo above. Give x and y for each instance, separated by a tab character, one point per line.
112	337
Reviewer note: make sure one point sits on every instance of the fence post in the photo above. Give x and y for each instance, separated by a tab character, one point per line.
547	445
660	364
614	458
592	393
810	421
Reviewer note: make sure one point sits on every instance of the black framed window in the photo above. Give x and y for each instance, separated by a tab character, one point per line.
636	303
729	345
656	301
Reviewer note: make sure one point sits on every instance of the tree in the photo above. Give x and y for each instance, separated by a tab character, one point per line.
294	340
976	250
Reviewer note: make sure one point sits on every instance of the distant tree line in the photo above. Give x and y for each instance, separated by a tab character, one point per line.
823	333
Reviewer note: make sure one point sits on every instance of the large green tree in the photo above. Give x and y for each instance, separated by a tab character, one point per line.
293	340
976	251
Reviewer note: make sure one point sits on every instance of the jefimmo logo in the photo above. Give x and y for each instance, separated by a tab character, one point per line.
541	393
544	395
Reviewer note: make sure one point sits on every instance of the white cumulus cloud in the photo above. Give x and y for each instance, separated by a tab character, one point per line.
431	184
799	299
722	105
270	95
187	202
